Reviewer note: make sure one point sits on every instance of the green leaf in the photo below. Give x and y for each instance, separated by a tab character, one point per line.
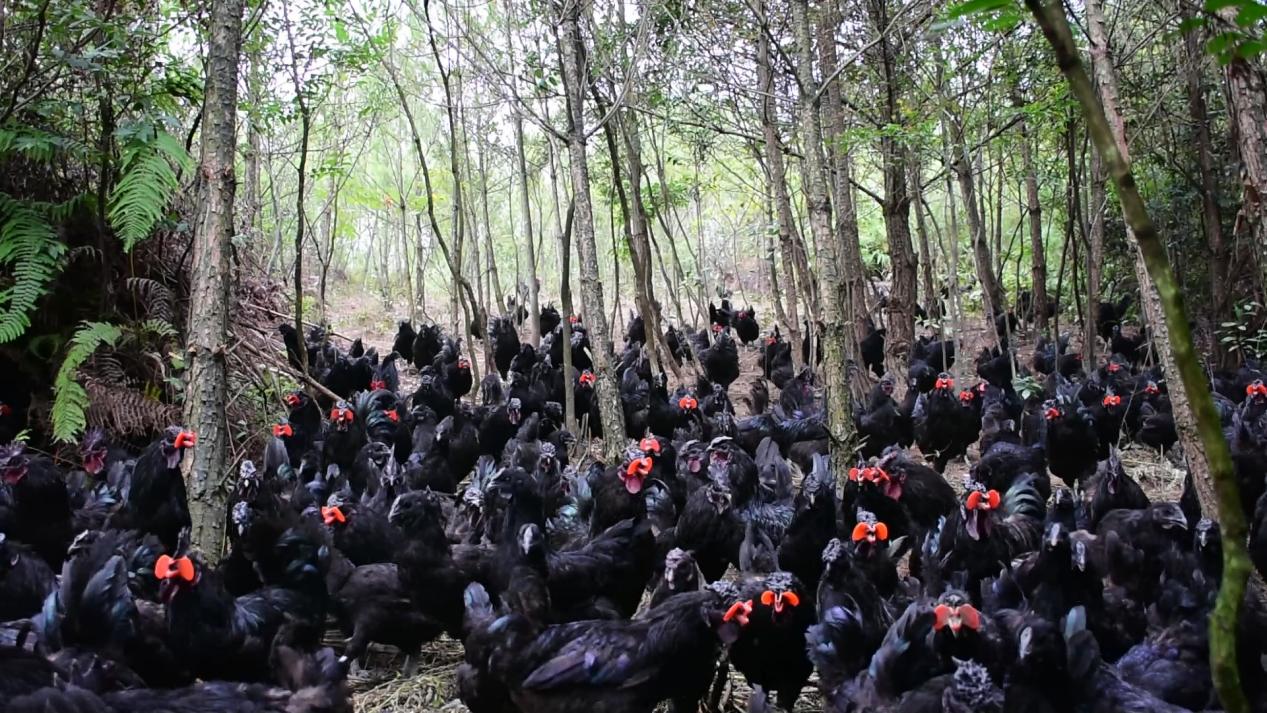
70	400
32	253
1190	24
1252	48
1251	13
975	7
148	181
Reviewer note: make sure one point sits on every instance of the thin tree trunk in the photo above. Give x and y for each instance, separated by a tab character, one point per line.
1211	215
1247	90
250	222
850	268
897	203
778	185
1095	260
833	310
463	292
207	393
932	305
1038	250
305	131
525	204
575	78
991	290
1207	456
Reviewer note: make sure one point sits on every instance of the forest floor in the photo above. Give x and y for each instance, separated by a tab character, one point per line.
381	687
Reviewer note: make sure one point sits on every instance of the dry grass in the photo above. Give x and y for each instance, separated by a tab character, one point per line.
381	687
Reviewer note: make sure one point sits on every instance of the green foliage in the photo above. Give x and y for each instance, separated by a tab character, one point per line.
1244	335
70	400
151	158
31	250
1028	387
995	15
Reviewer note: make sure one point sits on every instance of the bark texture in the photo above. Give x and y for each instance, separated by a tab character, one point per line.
778	187
1248	93
207	394
840	162
1038	251
575	79
991	290
835	291
1211	217
897	201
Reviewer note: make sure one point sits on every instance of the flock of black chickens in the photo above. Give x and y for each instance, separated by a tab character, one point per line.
718	542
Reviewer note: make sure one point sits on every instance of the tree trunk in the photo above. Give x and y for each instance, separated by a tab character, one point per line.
640	248
836	291
1038	250
778	184
575	79
463	291
207	393
1211	215
1095	260
525	205
897	203
305	132
1205	451
932	302
1248	99
250	222
850	268
991	291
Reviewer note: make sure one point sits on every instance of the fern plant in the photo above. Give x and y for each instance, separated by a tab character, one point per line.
148	178
70	400
32	252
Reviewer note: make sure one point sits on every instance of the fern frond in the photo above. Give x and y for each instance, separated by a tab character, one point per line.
39	146
30	248
160	328
157	298
146	185
70	400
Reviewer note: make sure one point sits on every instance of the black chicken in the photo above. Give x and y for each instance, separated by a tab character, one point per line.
721	360
1071	443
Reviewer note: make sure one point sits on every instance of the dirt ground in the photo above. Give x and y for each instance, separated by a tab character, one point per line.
381	687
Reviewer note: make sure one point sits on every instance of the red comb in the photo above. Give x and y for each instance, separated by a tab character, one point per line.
333	515
186	439
1112	400
688	403
649	445
978	500
862	530
944	383
1052	413
282	429
392	415
378	384
167	567
739	612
